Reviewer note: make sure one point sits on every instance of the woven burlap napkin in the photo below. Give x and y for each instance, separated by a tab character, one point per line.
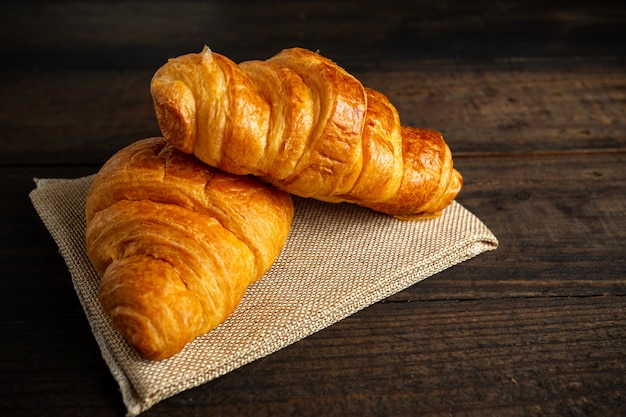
338	259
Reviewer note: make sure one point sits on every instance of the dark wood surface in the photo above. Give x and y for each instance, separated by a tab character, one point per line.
531	97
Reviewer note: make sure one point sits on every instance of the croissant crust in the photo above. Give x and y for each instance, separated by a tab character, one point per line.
177	243
302	123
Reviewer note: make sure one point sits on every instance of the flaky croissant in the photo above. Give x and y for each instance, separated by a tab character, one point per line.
302	123
177	243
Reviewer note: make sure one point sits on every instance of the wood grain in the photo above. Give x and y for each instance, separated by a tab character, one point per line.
504	107
100	34
531	97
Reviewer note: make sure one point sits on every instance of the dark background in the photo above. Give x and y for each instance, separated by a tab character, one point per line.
531	97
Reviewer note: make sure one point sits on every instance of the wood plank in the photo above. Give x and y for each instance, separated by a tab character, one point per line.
419	362
561	225
529	356
134	34
73	117
513	107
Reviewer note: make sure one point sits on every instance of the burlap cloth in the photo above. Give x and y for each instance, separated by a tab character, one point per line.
338	259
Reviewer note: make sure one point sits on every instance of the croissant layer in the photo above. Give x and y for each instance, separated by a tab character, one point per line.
302	123
177	243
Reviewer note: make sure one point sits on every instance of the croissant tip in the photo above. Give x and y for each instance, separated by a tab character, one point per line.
206	54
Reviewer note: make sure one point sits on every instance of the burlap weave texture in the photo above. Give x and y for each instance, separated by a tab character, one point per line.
338	259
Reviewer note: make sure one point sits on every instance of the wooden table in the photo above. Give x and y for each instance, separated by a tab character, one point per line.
531	97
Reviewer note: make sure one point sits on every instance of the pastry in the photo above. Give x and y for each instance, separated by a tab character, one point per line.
177	243
302	123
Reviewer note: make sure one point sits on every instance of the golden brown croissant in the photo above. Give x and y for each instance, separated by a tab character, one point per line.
302	123
177	243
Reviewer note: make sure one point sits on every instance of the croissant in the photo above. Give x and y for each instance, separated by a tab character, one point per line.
305	125
177	243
